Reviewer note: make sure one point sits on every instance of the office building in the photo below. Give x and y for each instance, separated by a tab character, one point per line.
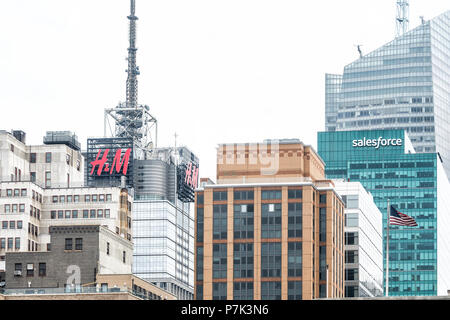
77	255
163	222
30	204
415	184
269	227
363	241
401	85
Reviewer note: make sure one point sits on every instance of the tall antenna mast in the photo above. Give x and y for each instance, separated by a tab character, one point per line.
131	120
133	70
402	19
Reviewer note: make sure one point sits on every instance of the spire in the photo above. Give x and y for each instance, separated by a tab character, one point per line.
133	69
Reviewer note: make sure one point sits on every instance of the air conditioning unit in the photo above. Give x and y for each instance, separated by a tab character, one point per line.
18	273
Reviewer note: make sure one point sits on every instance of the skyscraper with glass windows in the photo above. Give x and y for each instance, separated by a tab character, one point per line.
404	84
385	163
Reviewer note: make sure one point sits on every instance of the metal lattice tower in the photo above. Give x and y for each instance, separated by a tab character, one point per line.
131	120
133	69
402	19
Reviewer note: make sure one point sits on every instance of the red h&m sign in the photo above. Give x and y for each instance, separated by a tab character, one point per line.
117	162
191	177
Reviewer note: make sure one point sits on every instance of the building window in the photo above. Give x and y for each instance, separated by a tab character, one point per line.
243	260
219	290
200	222
9	192
2	243
243	290
124	255
19	224
12	225
69	198
323	224
17	243
219	260
85	214
220	195
107	248
271	220
107	213
76	198
4	224
60	214
295	220
18	267
108	197
68	244
55	199
33	176
220	221
23	192
79	244
295	194
48	179
243	221
351	219
271	195
94	198
294	290
87	198
351	238
323	198
10	243
33	157
270	259
16	192
67	215
93	213
271	290
244	195
7	208
101	198
74	214
30	269
294	259
199	269
48	157
42	269
100	213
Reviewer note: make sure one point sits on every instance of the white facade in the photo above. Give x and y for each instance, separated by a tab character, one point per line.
52	165
42	186
363	241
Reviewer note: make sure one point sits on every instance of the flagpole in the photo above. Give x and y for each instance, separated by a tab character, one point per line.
387	247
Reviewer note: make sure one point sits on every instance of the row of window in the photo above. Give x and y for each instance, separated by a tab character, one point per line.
30	269
270	290
68	245
249	195
12	224
87	198
73	214
13	243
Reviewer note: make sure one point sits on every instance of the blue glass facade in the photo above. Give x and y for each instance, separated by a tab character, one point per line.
386	165
404	84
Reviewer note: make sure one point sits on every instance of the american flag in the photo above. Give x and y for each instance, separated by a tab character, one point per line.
400	219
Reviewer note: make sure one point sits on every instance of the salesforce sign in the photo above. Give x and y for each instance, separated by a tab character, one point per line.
377	143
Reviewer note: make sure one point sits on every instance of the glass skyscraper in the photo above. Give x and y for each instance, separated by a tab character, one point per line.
414	183
404	84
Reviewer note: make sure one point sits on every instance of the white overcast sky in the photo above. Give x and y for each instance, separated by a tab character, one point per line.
212	71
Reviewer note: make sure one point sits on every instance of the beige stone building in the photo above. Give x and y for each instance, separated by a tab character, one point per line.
271	228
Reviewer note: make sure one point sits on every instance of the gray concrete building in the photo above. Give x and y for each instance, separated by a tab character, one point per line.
77	255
